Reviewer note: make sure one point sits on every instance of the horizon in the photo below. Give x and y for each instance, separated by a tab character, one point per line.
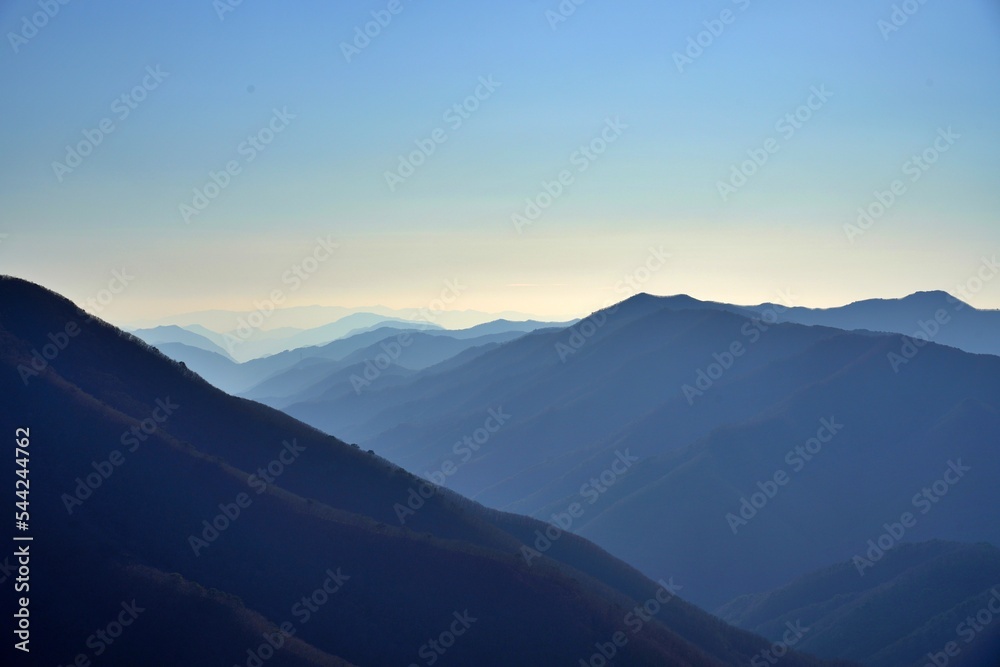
469	317
344	174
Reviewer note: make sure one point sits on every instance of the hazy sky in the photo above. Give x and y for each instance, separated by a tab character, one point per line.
198	82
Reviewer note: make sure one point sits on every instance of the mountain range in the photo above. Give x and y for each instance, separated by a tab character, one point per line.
164	508
712	405
819	488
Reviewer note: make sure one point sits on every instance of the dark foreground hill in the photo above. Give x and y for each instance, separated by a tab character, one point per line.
176	525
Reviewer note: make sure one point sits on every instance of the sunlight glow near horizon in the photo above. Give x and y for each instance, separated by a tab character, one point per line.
654	186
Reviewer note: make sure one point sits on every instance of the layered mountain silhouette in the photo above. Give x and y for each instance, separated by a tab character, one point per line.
711	404
395	353
249	342
309	370
175	524
174	335
965	327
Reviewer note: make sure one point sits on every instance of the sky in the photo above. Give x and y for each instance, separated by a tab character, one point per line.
720	148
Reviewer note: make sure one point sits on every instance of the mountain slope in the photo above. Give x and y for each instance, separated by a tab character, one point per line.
152	488
395	354
256	347
171	334
917	602
892	437
636	384
963	326
213	367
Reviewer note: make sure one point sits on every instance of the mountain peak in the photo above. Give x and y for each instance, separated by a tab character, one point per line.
933	297
671	301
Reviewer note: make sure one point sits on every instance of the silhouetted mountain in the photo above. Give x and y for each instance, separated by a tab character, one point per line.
209	525
255	347
209	365
292	319
311	371
213	336
173	334
502	326
241	377
393	355
710	403
961	325
896	435
907	612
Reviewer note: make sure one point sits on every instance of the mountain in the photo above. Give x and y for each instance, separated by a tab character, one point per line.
529	364
211	366
238	377
665	421
503	326
174	334
918	607
163	508
308	317
257	346
213	336
937	316
308	371
393	355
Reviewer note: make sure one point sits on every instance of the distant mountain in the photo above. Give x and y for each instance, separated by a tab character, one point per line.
260	346
213	336
707	405
163	505
503	326
918	606
239	377
297	372
361	323
209	365
308	317
960	324
395	354
526	364
174	334
297	317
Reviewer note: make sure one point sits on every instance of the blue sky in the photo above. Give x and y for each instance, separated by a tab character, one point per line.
656	186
